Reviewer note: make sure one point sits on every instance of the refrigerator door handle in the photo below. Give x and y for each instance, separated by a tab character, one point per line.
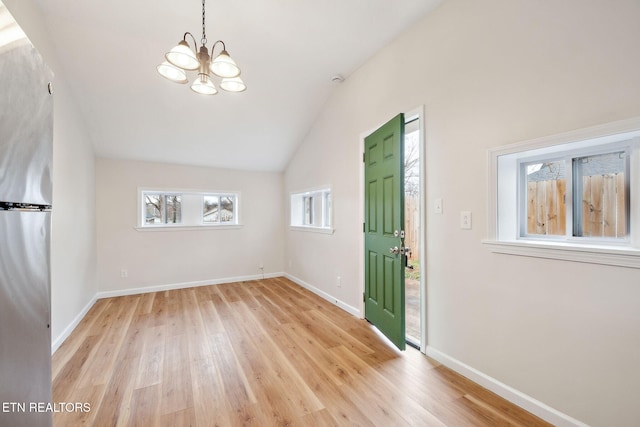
24	207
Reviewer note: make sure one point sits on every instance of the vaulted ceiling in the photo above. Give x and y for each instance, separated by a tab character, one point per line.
288	51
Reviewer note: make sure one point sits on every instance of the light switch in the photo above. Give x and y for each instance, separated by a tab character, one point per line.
465	220
438	206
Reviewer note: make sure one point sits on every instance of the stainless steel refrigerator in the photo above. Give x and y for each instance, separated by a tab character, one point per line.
26	135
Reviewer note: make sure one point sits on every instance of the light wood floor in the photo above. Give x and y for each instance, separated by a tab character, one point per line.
255	353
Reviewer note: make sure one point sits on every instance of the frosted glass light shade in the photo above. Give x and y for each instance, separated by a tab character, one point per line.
223	66
183	57
233	84
203	85
171	72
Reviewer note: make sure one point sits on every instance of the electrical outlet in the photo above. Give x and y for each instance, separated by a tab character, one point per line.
124	273
339	282
465	220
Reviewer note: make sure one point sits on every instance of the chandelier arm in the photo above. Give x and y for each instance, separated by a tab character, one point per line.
195	43
224	47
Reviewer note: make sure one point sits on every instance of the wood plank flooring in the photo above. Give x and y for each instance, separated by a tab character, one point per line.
259	353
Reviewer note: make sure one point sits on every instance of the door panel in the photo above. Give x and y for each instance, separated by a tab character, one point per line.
387	208
26	127
25	335
390	284
372	217
372	285
384	220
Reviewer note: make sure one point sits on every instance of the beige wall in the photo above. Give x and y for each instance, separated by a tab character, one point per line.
73	252
492	73
163	258
489	73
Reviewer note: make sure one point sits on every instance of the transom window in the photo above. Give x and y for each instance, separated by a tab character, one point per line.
160	209
311	209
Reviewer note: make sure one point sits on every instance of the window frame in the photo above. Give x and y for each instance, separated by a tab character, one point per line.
192	210
568	157
505	207
320	216
163	194
523	199
220	195
627	149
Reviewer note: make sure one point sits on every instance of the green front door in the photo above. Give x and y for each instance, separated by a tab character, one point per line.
384	230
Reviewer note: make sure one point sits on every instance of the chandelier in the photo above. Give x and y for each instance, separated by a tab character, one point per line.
182	58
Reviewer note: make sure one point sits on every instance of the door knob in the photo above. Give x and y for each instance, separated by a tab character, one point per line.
394	250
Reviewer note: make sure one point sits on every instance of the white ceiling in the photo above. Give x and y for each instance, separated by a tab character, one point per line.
288	51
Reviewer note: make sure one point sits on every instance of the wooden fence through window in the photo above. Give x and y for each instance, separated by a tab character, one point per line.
603	206
546	209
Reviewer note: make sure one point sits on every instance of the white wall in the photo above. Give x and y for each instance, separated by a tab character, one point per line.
164	258
492	73
73	252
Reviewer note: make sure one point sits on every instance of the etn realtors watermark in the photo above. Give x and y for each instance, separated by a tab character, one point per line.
34	407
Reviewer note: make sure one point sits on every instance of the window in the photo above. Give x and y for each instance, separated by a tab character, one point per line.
327	208
219	209
162	208
601	195
569	196
579	196
175	209
308	210
311	209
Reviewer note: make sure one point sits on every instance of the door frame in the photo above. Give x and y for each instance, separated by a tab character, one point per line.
410	115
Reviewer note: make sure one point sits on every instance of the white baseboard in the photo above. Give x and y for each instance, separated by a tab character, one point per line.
524	401
172	286
346	307
55	344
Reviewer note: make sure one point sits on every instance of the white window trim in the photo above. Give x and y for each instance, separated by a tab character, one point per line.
188	227
199	225
313	228
626	254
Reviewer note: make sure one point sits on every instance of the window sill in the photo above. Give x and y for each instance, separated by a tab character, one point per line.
188	227
321	230
592	254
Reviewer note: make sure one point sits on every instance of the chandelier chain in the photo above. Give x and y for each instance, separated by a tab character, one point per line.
204	34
